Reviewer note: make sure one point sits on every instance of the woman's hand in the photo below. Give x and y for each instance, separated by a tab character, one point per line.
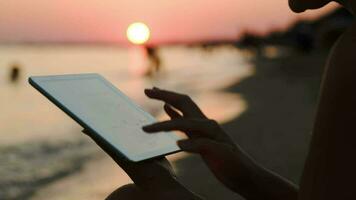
233	167
155	177
205	136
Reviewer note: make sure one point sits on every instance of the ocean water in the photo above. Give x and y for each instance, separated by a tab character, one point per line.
44	155
201	74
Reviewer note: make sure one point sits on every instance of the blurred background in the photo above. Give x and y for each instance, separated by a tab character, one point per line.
252	65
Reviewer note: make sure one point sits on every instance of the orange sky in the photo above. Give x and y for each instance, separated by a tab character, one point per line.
169	20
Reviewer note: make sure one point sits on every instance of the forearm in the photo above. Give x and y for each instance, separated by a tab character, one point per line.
257	182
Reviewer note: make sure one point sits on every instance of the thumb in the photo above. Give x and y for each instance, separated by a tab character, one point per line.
86	132
198	145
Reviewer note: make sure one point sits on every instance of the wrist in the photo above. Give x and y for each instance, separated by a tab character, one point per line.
242	170
170	189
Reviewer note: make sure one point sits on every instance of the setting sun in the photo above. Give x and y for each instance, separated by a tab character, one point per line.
138	33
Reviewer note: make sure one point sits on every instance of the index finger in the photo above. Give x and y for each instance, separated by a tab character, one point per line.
202	127
180	101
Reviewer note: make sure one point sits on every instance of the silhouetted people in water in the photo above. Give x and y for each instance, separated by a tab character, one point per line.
14	72
330	168
252	41
154	61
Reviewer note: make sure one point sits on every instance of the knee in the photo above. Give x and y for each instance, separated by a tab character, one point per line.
129	191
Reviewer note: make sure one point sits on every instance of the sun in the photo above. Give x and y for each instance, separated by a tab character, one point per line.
138	33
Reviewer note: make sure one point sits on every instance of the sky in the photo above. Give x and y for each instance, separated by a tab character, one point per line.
169	20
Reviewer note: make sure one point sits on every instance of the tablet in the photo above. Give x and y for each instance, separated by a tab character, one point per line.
100	107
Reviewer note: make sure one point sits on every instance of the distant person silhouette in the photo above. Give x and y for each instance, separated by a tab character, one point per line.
14	72
330	169
154	61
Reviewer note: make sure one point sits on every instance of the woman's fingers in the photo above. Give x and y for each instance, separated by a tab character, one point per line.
171	112
140	172
180	101
86	132
198	145
201	127
215	153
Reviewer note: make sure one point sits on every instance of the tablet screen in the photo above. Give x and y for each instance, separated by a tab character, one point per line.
109	113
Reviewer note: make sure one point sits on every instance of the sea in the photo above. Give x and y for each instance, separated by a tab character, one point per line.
202	74
36	164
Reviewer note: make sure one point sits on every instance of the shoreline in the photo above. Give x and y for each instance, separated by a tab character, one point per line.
282	88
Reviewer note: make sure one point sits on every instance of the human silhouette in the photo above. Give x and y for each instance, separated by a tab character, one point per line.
154	61
14	72
330	168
